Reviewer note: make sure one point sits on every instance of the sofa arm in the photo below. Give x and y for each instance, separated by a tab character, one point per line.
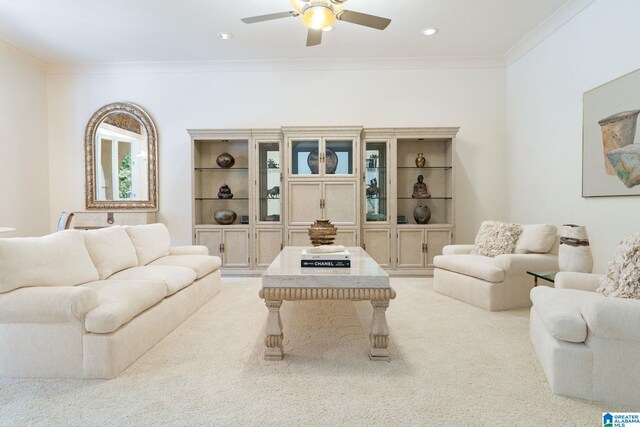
457	249
189	250
613	318
47	304
519	263
580	281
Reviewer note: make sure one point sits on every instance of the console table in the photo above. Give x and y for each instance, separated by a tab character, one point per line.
285	280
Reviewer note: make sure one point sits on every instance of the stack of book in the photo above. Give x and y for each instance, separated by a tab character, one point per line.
340	259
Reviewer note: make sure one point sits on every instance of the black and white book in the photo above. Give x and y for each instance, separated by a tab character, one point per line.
326	263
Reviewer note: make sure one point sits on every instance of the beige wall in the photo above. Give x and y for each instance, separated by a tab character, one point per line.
24	171
544	115
473	99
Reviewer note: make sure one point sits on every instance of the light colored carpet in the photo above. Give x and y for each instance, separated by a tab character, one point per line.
451	364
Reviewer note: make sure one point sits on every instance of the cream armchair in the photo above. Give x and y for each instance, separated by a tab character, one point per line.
498	283
588	345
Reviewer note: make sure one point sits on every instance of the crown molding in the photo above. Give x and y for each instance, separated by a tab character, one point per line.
23	56
329	64
550	25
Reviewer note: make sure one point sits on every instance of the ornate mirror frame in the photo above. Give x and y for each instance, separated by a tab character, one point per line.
90	158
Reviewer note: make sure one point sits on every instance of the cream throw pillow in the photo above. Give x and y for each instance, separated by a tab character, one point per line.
536	238
151	241
110	249
496	238
623	275
59	259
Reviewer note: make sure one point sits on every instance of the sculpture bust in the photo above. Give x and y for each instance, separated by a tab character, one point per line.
420	190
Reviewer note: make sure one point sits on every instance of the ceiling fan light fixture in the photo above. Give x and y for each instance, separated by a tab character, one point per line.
327	29
298	5
318	17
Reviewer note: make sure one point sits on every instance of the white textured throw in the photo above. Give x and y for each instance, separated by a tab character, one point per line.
623	275
496	238
325	249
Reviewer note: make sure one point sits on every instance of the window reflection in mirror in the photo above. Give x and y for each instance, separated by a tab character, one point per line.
121	159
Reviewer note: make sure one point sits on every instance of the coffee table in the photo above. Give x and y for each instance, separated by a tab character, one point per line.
285	280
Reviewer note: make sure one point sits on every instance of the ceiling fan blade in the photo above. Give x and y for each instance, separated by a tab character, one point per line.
314	37
269	17
371	21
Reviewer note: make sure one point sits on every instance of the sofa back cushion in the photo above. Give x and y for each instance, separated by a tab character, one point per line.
496	238
110	249
59	259
151	241
536	239
623	274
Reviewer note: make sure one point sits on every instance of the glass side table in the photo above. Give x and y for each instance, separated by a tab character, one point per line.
549	276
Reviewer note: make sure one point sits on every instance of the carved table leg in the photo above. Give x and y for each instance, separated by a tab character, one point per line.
274	335
379	335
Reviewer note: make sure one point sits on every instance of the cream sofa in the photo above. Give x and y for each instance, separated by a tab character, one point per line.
501	282
87	304
588	345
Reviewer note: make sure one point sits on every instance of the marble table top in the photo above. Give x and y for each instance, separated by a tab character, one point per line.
285	272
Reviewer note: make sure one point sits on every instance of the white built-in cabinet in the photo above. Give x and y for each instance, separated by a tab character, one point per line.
360	179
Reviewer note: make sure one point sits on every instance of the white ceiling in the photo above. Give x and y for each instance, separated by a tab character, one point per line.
90	31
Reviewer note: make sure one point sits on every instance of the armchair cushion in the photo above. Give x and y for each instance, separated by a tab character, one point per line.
560	311
110	249
496	238
536	238
613	318
59	259
457	249
580	281
623	275
478	266
520	263
151	241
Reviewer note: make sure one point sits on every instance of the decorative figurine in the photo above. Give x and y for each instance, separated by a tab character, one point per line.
373	191
225	192
273	193
420	190
225	160
420	161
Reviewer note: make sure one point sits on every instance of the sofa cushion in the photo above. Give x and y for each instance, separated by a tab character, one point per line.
175	278
59	259
536	239
201	264
150	240
560	311
496	238
110	249
119	301
623	274
478	266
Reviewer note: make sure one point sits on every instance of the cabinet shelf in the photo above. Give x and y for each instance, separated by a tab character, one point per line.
222	200
222	169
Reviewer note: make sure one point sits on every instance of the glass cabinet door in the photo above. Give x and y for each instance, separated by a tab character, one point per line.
375	182
305	157
269	181
338	157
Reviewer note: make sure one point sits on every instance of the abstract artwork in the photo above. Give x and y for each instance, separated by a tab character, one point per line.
611	146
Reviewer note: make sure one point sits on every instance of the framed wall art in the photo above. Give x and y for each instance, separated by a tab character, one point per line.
610	143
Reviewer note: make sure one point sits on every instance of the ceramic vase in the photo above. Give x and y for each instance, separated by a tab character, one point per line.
225	217
420	160
322	232
224	192
225	160
422	214
330	161
574	253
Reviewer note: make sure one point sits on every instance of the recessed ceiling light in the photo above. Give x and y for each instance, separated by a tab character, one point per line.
225	36
429	31
327	29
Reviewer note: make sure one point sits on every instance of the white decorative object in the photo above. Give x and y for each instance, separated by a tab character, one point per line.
496	238
623	275
324	249
575	253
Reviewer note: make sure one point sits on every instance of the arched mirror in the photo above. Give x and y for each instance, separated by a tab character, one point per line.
121	145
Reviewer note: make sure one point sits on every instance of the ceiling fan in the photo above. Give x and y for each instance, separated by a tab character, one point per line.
320	14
